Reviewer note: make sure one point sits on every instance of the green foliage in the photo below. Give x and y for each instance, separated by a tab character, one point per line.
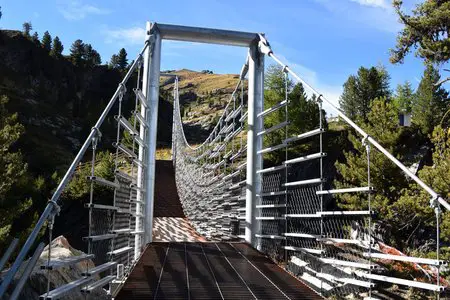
361	89
47	42
127	139
77	52
404	97
91	56
411	216
27	27
386	178
303	113
79	187
57	48
35	38
13	170
84	54
122	61
430	102
119	61
425	30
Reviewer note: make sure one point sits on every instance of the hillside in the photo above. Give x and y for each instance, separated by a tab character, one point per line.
58	103
203	97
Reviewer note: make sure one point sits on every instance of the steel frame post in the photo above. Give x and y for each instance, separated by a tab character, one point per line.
254	142
142	134
151	84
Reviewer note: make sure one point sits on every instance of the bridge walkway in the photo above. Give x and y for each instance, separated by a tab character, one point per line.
210	270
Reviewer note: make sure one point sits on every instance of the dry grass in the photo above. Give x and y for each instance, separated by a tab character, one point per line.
204	83
163	154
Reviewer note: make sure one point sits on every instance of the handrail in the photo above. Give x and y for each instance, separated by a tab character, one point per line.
265	48
51	207
242	75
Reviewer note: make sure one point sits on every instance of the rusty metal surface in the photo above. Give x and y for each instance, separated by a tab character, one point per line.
210	271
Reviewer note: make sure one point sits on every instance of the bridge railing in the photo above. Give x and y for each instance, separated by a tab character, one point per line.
113	227
211	177
336	251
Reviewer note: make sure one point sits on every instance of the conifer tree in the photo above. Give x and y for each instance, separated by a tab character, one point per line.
47	41
303	113
386	178
35	38
362	89
57	48
91	56
27	27
430	102
122	61
404	97
114	61
77	52
426	30
412	211
14	169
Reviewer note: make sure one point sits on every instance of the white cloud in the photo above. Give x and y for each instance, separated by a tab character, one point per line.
125	36
373	3
377	14
329	92
75	10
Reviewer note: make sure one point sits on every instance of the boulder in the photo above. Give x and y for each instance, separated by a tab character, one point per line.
37	283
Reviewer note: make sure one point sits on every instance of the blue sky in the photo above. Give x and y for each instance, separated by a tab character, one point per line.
323	40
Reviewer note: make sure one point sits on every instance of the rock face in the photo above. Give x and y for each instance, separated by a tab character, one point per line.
37	283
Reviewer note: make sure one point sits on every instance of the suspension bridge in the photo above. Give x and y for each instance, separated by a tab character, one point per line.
269	231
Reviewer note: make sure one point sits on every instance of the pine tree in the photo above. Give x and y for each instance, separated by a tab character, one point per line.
362	89
1	14
404	97
303	113
114	61
382	123
430	102
91	56
35	38
77	52
27	27
14	170
47	41
57	48
413	211
425	30
122	61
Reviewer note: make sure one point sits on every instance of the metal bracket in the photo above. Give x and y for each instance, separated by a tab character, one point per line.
319	99
55	211
122	90
434	203
97	136
364	140
264	46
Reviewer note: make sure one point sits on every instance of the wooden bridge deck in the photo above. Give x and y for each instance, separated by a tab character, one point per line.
210	271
